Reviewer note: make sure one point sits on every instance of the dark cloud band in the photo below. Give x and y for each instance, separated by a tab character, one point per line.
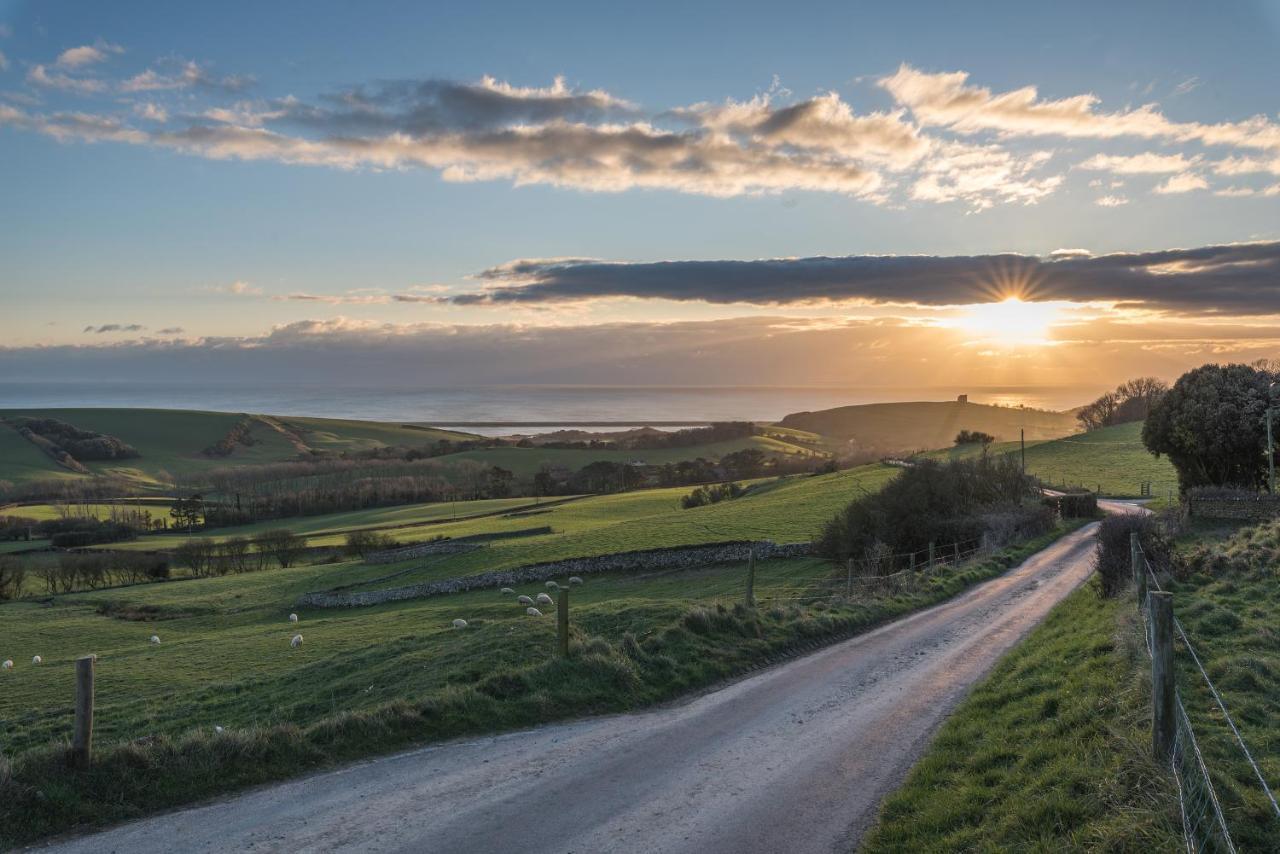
1237	278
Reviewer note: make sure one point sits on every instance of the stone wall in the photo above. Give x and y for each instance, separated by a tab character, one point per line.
649	560
1253	507
450	546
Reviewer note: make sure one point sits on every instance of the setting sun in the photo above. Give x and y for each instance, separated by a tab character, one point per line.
1010	322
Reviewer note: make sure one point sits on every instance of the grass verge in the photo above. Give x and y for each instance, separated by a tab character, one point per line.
622	659
1049	753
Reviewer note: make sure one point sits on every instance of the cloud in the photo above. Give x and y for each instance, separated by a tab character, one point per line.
239	288
171	330
949	100
349	298
1110	201
1213	279
151	112
1139	164
1188	85
39	75
114	327
1182	183
732	351
920	150
78	57
187	75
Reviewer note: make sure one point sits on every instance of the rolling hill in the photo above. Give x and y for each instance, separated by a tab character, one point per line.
920	425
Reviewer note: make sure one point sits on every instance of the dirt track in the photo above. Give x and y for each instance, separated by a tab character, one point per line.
794	759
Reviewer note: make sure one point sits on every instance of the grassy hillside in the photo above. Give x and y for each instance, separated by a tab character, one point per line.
1113	458
172	442
368	680
1048	753
917	426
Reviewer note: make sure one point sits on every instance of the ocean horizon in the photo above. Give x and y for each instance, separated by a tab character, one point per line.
561	405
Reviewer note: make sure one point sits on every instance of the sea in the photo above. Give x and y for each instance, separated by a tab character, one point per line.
498	408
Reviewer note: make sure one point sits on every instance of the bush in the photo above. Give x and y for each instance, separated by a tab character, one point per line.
1113	562
930	502
90	532
712	494
363	543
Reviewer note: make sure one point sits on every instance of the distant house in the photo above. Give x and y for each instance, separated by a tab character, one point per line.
964	398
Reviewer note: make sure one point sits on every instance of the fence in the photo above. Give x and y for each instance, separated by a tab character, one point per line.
868	575
1204	826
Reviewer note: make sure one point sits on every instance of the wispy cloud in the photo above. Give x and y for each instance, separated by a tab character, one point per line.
1148	163
1188	85
1111	201
78	57
115	327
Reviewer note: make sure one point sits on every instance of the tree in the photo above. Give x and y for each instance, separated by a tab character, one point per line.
1210	426
283	545
187	512
748	462
1131	401
974	437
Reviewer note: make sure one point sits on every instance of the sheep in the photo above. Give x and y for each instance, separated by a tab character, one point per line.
7	665
296	642
533	612
573	579
507	591
218	729
544	599
525	600
459	624
293	618
155	639
551	585
35	659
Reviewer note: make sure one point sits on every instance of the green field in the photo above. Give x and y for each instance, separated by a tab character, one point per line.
900	427
372	679
1048	753
1113	458
171	444
1229	605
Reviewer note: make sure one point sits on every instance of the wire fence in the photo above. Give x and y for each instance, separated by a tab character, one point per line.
868	575
1204	825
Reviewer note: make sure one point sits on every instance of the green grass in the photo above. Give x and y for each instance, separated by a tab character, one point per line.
921	425
1229	604
367	680
1047	753
787	510
1113	458
22	461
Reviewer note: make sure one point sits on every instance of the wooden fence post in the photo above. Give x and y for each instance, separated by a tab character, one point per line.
751	579
913	564
82	738
957	551
931	554
1139	571
1163	721
562	621
848	578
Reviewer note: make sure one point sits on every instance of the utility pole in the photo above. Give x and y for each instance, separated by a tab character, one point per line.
1022	433
1273	390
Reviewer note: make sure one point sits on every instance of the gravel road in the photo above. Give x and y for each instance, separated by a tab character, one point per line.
795	758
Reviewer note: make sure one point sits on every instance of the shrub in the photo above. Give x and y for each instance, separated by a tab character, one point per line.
1113	561
363	543
12	574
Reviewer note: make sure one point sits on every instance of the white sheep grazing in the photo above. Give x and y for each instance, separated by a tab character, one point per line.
35	659
507	591
573	579
293	618
525	600
296	642
544	599
551	585
217	729
459	624
155	639
533	612
7	665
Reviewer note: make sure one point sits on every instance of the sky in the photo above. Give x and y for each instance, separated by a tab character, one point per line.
653	193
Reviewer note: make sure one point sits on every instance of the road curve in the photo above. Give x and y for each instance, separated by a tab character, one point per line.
795	758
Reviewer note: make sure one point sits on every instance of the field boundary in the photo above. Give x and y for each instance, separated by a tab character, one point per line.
677	557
